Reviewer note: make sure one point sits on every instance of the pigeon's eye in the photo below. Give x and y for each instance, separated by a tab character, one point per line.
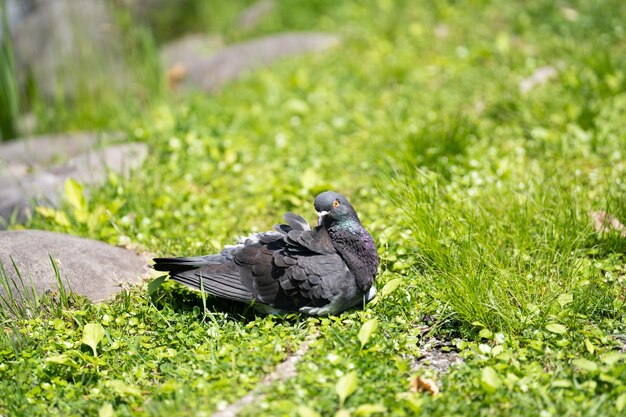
336	203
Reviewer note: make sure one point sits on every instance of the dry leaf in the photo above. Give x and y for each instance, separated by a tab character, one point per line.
419	384
175	75
603	222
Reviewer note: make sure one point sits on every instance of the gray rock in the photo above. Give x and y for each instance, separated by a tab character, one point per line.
91	268
182	53
91	167
210	73
41	151
18	195
13	204
185	50
14	12
72	44
253	14
20	191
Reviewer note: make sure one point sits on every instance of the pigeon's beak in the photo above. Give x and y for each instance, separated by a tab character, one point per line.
320	216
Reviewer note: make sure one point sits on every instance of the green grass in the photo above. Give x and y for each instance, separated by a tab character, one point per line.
507	259
9	97
20	299
477	194
109	86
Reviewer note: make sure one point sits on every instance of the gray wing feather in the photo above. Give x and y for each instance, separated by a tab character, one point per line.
296	222
317	280
216	274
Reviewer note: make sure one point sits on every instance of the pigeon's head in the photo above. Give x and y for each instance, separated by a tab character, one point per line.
332	207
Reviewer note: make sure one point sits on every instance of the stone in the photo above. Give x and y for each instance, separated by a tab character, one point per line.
189	48
70	46
45	150
29	176
16	11
91	167
252	15
17	196
180	54
91	268
211	73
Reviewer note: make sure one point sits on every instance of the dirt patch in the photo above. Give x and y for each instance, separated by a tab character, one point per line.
436	355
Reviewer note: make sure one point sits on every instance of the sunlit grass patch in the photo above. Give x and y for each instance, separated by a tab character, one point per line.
20	300
478	193
505	259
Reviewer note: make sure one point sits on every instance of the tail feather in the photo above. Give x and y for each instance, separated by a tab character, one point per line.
216	274
171	264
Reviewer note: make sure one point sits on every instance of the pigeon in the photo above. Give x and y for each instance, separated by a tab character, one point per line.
317	271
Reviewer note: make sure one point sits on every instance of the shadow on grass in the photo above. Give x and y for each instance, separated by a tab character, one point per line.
178	298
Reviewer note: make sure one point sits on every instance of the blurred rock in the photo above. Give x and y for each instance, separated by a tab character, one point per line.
16	11
18	195
70	46
33	171
43	150
91	167
189	48
182	53
252	15
211	73
91	268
